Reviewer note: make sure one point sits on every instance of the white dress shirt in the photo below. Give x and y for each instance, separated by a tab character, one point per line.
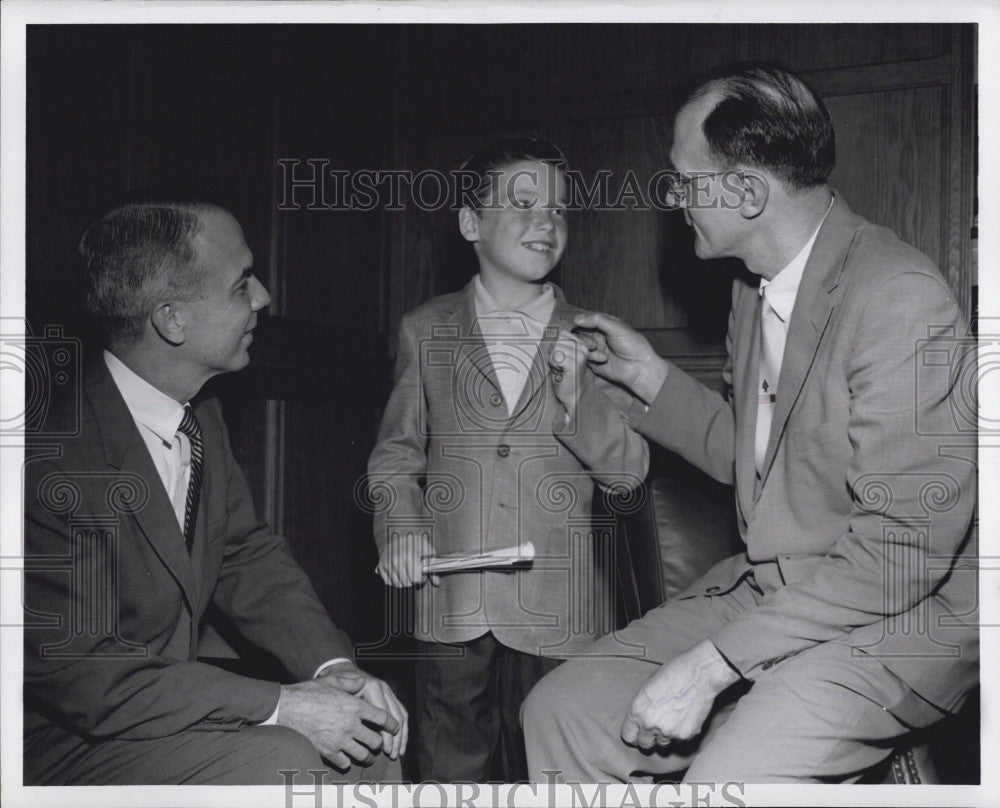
783	288
779	293
157	417
512	336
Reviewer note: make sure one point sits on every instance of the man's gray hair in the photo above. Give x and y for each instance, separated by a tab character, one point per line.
138	255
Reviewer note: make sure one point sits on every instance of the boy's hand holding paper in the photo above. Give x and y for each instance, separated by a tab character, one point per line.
401	562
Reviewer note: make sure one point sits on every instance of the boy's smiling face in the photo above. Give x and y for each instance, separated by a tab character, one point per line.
520	233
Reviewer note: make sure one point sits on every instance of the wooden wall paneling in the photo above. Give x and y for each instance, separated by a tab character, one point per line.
889	166
203	117
881	77
330	381
961	124
430	257
325	359
328	445
395	289
77	142
905	142
335	108
613	255
806	47
550	68
274	412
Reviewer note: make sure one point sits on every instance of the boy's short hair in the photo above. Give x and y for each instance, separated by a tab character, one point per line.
489	161
138	254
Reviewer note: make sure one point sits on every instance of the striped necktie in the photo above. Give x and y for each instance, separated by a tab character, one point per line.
190	427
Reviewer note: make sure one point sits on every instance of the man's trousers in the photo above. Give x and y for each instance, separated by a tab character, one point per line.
823	715
251	755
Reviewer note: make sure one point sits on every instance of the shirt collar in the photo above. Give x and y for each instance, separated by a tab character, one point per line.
783	288
538	309
150	407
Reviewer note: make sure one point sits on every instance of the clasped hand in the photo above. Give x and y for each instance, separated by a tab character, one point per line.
674	702
349	715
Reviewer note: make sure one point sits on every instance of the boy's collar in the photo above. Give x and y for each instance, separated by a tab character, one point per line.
538	308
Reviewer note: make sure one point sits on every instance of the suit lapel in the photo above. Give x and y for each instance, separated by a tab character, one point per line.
814	305
562	317
472	348
125	450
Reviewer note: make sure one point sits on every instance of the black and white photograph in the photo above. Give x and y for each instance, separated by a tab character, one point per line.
445	404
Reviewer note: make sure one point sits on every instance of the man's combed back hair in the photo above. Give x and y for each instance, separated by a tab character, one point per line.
769	118
137	255
489	161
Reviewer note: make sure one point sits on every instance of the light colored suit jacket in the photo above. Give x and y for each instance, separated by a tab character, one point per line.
451	461
114	600
857	528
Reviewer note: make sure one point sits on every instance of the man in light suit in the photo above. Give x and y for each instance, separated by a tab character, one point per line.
143	518
851	617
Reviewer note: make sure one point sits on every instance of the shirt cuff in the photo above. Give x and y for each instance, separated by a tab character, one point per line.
272	719
329	664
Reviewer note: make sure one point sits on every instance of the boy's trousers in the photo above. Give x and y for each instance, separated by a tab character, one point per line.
468	698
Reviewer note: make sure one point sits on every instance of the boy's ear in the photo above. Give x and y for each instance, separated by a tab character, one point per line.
755	190
468	224
168	321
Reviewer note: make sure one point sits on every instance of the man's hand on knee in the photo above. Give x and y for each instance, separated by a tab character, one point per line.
674	702
347	676
344	728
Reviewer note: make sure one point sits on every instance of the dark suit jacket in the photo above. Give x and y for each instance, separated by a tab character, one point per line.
114	601
452	461
857	528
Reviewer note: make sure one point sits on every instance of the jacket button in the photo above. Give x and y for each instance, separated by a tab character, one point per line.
503	450
712	590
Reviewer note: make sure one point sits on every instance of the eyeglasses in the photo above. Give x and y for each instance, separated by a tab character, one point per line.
680	186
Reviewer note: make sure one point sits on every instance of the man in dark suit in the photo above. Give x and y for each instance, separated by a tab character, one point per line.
851	618
143	518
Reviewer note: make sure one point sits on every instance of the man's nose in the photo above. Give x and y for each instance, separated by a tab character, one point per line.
259	297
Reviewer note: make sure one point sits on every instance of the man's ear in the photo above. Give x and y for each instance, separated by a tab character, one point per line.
168	321
755	193
468	224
